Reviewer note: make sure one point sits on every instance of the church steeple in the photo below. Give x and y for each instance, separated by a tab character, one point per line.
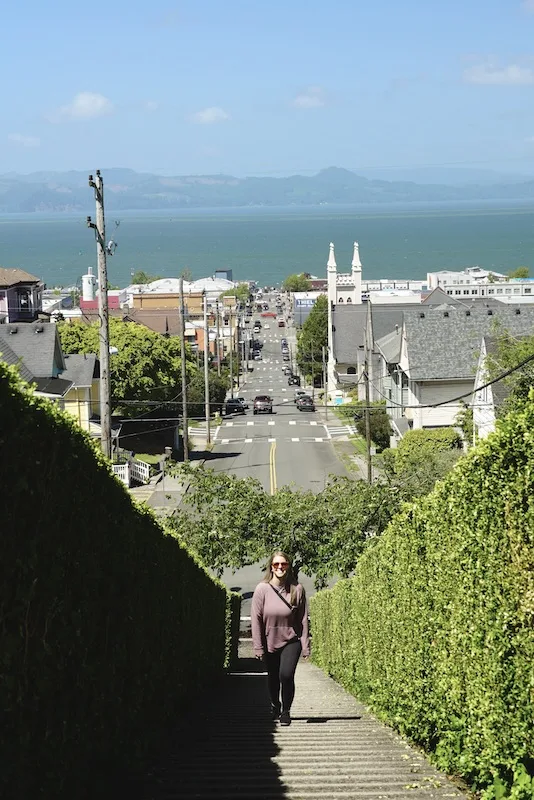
356	263
331	263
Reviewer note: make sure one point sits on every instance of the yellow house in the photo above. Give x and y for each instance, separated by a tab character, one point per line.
82	398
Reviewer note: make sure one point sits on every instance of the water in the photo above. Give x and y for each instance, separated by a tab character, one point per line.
268	244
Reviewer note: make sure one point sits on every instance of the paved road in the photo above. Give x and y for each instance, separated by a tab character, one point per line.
289	447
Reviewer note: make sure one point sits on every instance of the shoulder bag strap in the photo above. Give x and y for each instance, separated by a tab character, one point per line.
283	599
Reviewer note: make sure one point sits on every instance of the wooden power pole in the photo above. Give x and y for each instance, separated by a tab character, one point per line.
185	422
207	369
103	314
368	423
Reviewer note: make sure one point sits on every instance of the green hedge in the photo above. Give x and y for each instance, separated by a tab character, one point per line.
108	627
436	629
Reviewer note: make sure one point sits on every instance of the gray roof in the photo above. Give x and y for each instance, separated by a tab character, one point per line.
57	386
390	346
349	331
10	357
81	369
443	345
385	317
37	344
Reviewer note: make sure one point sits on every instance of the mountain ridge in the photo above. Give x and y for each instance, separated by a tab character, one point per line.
127	189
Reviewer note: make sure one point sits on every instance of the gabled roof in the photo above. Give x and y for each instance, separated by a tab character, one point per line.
38	345
10	357
390	346
444	345
11	277
81	369
384	317
349	331
46	385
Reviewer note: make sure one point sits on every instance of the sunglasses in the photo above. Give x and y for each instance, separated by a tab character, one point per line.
282	564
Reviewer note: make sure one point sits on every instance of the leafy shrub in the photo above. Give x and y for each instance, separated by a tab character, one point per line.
107	626
435	630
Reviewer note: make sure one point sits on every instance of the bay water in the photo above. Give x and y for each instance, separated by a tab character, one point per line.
267	244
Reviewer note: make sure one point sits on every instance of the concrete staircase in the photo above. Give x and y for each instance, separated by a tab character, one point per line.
229	749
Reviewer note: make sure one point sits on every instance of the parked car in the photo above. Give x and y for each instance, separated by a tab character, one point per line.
286	369
285	357
234	406
263	404
305	403
257	355
299	393
243	401
293	380
281	323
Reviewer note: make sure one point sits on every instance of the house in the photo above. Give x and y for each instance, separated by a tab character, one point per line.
439	354
70	381
487	400
21	296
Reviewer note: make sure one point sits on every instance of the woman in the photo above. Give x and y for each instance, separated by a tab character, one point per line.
279	619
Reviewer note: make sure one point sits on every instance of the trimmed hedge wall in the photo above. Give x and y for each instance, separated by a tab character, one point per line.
436	629
108	626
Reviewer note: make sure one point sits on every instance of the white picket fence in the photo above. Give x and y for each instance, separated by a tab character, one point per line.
132	470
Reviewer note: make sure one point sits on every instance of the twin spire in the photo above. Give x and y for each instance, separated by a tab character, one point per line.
356	262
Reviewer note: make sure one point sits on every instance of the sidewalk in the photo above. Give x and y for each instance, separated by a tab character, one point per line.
229	749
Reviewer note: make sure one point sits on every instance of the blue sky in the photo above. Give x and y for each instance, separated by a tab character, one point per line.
249	87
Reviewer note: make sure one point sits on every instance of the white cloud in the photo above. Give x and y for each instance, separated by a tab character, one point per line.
24	141
151	105
528	6
84	105
311	97
490	74
208	116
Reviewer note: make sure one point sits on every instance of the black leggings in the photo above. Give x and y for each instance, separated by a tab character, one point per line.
281	666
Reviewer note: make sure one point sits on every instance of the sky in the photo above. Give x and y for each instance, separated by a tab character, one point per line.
249	87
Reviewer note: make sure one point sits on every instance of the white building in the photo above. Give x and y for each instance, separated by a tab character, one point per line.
475	282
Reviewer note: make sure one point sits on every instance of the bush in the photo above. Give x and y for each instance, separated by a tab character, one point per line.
435	630
108	627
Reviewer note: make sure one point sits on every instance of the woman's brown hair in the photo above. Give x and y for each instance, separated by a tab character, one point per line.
290	583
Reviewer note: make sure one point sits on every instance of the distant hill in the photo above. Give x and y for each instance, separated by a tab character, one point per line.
126	189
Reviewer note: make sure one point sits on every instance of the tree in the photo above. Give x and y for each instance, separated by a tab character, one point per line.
511	351
421	458
186	274
231	522
379	423
296	283
144	277
520	272
241	292
146	366
196	393
312	338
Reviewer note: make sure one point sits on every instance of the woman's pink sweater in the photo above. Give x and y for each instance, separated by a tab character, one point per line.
274	624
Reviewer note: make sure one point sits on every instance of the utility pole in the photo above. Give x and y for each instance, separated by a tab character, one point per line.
206	369
368	423
185	424
313	373
231	359
218	340
325	392
103	314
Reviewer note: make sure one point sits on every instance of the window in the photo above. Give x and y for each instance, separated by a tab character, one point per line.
508	291
351	370
516	291
466	291
457	291
449	291
528	290
474	291
340	300
499	291
349	299
491	291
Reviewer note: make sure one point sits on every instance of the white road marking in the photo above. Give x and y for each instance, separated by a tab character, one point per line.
286	400
225	441
295	440
318	438
229	424
292	421
271	422
248	441
250	422
271	440
312	422
284	390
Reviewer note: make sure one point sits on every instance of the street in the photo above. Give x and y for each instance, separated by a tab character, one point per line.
287	447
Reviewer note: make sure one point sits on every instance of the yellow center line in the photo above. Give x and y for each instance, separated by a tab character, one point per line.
272	467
